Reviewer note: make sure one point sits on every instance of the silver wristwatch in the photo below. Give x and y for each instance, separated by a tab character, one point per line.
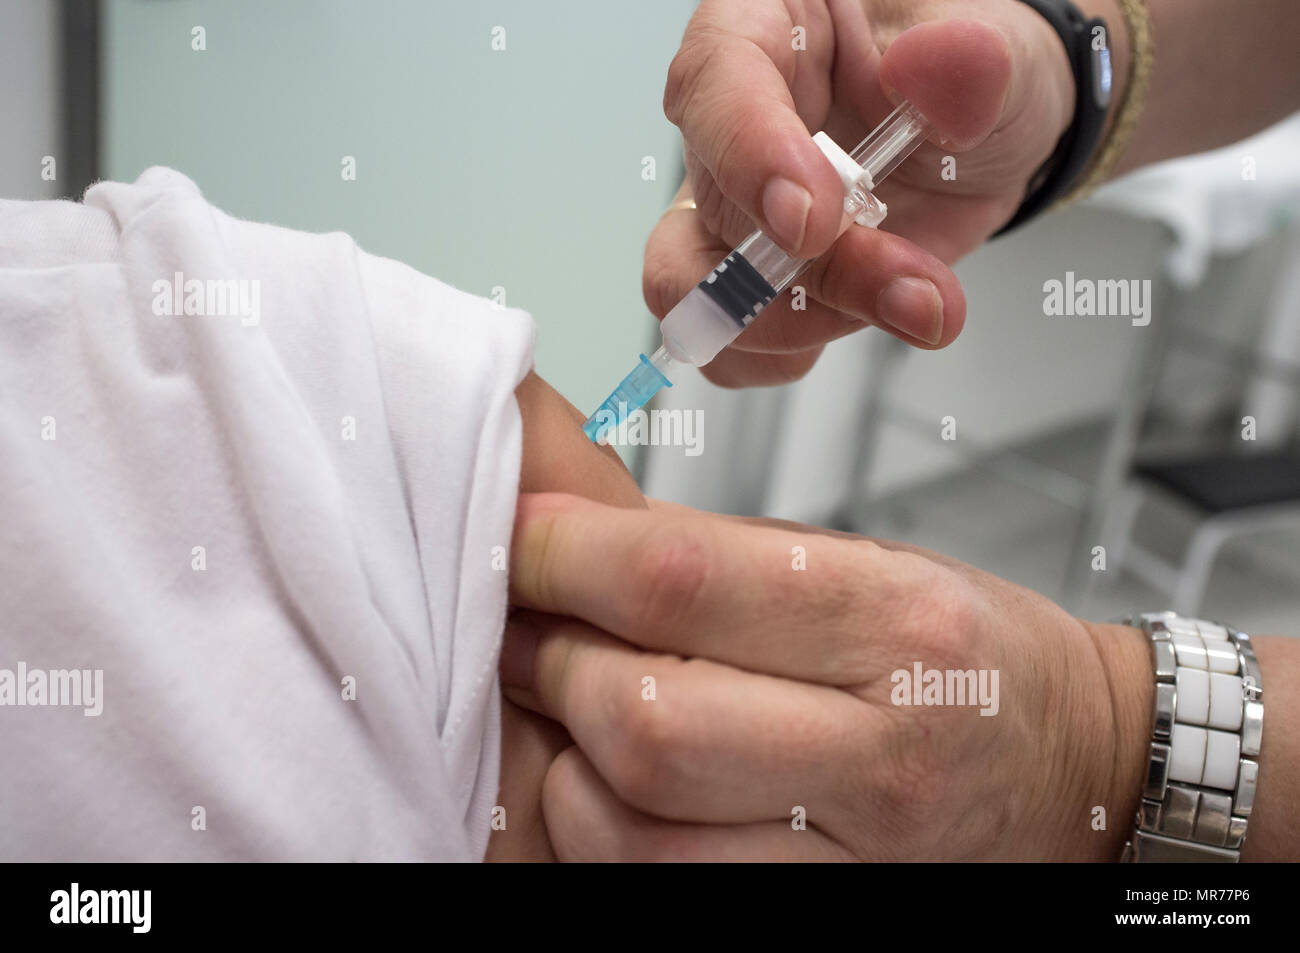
1202	773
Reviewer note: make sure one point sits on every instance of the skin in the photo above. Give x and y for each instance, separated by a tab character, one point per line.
773	690
994	79
556	456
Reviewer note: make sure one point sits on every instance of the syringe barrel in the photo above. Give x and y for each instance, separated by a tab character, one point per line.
716	310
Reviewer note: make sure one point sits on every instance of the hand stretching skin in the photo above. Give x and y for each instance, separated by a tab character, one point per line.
773	692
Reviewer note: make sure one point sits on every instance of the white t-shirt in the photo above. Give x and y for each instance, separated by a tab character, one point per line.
259	485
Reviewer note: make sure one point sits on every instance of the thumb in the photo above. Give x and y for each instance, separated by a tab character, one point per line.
958	73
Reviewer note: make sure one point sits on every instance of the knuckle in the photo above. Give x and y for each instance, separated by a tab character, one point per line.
916	787
672	576
647	736
683	73
952	621
658	280
839	280
946	626
716	130
909	787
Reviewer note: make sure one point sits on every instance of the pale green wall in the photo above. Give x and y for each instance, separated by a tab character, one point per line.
520	168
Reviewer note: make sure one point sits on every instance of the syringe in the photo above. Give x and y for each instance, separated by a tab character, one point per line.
715	311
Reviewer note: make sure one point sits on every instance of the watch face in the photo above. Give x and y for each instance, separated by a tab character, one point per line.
1101	77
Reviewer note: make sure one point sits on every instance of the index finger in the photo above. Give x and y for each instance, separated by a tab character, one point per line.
728	91
794	604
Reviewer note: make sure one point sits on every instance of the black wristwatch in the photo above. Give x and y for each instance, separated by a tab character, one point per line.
1092	80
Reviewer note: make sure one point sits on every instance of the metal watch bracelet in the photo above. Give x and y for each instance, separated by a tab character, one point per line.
1201	776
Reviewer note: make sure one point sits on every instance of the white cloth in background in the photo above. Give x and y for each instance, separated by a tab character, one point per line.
327	559
1215	203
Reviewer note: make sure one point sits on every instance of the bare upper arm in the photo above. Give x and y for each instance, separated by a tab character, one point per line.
557	457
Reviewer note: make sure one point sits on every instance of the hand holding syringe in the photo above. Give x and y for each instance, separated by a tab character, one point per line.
721	306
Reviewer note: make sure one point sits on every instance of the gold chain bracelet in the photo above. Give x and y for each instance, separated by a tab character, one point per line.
1143	58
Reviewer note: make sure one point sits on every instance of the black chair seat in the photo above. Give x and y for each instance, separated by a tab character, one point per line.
1224	482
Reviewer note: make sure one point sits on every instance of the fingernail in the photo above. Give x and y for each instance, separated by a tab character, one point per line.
785	208
913	306
518	649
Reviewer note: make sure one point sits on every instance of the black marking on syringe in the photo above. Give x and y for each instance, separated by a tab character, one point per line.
738	289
